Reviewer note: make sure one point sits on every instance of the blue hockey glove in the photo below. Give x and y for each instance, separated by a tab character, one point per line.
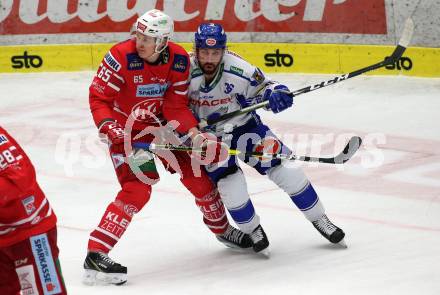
279	97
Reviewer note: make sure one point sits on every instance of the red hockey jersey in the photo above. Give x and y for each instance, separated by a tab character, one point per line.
127	86
24	209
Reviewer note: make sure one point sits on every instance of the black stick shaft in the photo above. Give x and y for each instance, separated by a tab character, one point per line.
397	54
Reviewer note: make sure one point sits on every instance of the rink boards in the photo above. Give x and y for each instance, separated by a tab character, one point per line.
270	57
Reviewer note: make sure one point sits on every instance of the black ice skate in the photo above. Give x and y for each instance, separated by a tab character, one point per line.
261	243
235	238
330	231
99	268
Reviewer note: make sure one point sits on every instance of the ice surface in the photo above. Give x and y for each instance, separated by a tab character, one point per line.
387	198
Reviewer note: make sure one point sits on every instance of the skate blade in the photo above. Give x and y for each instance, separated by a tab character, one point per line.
238	249
233	247
265	253
342	244
93	277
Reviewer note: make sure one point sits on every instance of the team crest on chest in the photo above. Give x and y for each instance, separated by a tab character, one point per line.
228	87
148	110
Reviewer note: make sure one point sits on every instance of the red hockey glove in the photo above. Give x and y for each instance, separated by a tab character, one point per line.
209	149
113	134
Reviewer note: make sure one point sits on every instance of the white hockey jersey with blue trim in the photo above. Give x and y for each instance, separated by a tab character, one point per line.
238	84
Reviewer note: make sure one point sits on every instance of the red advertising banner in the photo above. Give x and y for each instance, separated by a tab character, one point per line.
100	16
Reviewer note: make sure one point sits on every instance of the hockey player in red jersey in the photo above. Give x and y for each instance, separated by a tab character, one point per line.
28	235
142	83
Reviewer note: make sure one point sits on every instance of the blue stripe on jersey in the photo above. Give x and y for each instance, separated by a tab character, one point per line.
306	199
243	214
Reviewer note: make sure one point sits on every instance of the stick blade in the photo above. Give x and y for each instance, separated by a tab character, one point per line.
408	31
350	149
404	41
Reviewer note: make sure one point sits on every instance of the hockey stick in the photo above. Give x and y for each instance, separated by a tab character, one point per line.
350	149
395	56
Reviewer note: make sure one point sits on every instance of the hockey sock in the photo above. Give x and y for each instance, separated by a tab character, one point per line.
295	183
235	196
208	200
245	216
308	202
110	229
214	215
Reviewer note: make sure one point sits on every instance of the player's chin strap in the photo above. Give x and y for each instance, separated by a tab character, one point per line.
161	41
349	150
395	56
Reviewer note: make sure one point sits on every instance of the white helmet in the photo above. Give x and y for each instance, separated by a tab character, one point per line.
155	23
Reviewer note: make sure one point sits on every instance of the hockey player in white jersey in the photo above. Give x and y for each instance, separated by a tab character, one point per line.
222	82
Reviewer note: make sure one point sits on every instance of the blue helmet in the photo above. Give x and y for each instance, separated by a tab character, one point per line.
210	35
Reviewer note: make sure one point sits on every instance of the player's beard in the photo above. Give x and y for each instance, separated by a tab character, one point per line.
209	68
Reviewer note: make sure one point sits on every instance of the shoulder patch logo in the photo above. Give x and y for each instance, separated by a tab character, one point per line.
118	160
112	62
134	62
180	63
258	76
237	70
3	139
29	204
